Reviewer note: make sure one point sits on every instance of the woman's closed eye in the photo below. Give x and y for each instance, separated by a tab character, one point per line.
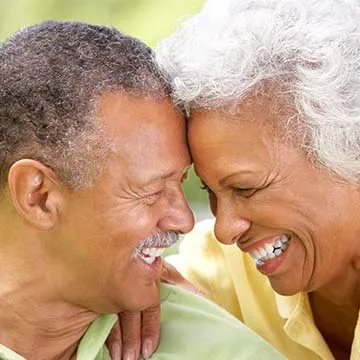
236	190
244	192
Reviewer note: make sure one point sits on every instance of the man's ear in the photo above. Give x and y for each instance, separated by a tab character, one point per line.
36	193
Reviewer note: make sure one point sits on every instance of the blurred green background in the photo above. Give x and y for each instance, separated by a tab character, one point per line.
148	20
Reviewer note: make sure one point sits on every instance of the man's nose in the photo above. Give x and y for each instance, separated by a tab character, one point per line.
179	216
230	224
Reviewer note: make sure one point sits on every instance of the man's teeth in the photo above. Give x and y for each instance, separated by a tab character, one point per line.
150	254
270	250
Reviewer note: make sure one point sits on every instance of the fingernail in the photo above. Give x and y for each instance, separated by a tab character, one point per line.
147	348
129	354
115	352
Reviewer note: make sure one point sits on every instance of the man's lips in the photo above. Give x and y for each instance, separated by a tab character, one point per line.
149	255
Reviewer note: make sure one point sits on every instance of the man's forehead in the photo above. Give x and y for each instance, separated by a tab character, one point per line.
126	107
163	174
148	138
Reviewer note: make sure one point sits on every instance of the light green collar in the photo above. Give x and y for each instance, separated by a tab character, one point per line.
91	347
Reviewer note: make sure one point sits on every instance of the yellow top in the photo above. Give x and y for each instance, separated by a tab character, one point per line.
231	280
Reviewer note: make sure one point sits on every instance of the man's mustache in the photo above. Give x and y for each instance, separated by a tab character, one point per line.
159	239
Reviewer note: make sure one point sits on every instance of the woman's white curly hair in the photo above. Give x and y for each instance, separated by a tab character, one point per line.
310	47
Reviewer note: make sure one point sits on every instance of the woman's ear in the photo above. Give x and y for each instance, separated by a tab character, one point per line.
36	193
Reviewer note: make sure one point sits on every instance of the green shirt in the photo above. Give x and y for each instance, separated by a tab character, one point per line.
192	328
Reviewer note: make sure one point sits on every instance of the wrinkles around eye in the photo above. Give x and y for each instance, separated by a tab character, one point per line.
152	198
244	192
238	191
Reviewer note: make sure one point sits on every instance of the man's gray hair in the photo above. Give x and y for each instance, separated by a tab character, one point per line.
51	76
309	48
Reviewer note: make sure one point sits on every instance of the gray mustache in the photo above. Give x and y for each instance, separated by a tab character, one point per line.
159	239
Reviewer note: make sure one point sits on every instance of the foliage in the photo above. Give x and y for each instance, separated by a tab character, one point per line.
149	20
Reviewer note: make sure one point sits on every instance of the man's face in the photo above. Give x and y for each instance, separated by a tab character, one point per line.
94	262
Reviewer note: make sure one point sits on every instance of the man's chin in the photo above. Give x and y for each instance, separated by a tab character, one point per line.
152	299
143	298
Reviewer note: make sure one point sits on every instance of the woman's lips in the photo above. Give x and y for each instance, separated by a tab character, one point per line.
268	253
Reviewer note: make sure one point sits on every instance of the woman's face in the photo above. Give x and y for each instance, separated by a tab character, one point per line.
298	222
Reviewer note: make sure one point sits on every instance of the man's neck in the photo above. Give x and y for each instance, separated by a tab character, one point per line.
38	327
35	321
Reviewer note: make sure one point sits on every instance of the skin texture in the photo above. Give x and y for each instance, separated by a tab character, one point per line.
60	247
139	193
261	186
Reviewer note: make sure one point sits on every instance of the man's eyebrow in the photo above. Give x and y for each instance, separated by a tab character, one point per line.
162	176
166	175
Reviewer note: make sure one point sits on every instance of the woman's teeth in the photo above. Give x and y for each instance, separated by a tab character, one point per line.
150	254
270	250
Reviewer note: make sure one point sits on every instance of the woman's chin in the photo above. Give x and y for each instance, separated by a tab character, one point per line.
285	288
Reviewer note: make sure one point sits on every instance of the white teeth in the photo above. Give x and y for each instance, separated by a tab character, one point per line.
262	252
278	243
153	251
149	259
270	250
278	252
151	254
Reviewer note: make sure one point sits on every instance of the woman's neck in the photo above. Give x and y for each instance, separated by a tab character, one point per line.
336	309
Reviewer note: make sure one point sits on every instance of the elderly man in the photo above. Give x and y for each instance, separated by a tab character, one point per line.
93	153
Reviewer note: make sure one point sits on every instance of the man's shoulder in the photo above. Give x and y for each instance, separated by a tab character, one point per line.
195	328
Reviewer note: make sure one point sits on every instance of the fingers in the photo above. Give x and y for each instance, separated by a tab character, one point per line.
131	336
140	330
150	330
171	276
114	342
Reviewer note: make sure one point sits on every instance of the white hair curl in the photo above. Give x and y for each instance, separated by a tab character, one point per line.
312	47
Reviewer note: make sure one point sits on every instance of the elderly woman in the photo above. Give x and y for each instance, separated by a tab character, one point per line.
272	90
